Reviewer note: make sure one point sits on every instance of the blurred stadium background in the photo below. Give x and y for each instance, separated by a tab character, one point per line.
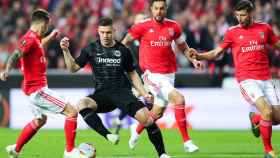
213	98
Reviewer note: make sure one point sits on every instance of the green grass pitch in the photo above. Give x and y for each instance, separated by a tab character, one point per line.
213	144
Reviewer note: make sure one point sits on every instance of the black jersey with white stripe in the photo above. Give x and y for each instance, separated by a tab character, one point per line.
109	64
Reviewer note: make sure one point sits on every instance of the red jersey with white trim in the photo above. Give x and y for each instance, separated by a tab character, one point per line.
249	50
155	52
34	64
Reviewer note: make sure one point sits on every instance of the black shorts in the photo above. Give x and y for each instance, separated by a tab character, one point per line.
109	100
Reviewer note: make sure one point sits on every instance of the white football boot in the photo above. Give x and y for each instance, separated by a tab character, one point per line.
11	150
75	153
133	136
190	147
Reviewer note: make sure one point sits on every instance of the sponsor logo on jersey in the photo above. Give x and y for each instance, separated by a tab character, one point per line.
262	35
151	30
171	31
161	42
117	53
253	46
108	60
241	37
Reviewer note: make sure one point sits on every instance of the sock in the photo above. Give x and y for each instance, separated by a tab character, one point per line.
70	127
256	118
156	138
180	117
266	132
140	127
94	121
27	133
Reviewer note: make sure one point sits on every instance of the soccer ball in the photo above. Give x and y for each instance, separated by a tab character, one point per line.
87	150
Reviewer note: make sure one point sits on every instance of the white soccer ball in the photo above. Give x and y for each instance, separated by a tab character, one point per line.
87	150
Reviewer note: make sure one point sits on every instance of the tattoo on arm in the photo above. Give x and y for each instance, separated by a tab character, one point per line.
13	59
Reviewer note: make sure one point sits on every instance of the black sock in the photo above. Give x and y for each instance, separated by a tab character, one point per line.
156	138
94	121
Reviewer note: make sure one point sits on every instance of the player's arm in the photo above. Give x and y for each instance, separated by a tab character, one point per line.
277	45
12	62
127	39
46	40
71	65
210	55
183	47
138	85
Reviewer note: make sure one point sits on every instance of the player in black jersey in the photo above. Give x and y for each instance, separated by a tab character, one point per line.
112	63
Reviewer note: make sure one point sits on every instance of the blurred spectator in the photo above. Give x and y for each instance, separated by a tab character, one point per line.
203	21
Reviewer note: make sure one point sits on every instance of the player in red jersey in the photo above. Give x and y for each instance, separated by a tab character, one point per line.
248	42
35	87
158	63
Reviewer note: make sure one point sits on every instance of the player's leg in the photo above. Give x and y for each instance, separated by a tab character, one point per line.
142	114
88	108
254	92
53	102
27	133
177	100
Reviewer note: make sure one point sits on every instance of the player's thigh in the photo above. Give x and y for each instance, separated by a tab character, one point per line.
48	100
270	92
103	100
251	90
160	86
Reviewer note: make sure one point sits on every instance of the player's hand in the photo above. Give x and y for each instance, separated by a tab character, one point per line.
198	65
192	53
4	75
64	43
55	33
149	98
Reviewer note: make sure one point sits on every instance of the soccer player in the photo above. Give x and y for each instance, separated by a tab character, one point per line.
112	63
35	87
248	41
158	63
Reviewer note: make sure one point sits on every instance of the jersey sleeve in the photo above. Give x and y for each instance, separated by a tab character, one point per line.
136	31
129	65
226	43
178	35
271	35
25	45
83	58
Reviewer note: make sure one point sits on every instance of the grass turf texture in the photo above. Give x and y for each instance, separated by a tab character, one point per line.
213	144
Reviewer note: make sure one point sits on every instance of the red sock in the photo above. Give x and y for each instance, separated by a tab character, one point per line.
27	133
180	117
266	132
256	118
141	127
70	127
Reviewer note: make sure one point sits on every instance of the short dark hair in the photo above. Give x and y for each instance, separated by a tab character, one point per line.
39	15
244	5
105	21
152	1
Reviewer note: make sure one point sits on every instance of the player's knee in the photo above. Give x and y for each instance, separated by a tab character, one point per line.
86	103
39	122
177	98
71	111
267	113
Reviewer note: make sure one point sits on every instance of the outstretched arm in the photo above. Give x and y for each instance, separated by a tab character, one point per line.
277	45
127	39
46	40
71	65
12	62
186	51
210	55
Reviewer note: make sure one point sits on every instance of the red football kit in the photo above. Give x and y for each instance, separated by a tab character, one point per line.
34	64
155	52
249	53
